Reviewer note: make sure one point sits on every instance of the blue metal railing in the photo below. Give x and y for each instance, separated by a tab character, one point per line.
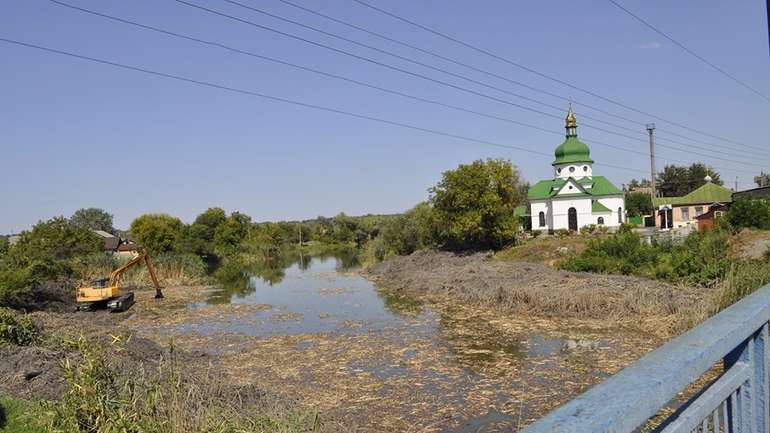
736	402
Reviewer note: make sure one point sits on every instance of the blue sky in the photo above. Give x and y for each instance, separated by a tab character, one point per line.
77	134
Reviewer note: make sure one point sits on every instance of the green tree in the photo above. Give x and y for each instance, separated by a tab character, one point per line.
93	218
231	233
638	203
208	222
55	239
677	180
158	233
409	232
473	205
753	213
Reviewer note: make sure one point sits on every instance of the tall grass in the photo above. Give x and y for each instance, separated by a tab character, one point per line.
104	398
171	269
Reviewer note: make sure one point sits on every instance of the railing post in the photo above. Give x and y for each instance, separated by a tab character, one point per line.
751	412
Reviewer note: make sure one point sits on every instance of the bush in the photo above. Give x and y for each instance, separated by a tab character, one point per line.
16	329
742	279
171	269
55	239
588	229
409	232
752	213
94	266
561	233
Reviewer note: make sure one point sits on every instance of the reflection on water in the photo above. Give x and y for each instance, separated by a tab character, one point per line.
307	295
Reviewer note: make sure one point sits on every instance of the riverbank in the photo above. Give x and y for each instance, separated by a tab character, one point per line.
324	340
535	289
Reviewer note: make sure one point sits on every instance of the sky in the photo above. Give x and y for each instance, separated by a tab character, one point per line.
78	134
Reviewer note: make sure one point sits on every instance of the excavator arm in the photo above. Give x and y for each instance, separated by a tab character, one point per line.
143	256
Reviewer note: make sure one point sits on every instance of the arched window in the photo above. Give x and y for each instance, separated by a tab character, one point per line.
620	215
542	219
585	168
600	221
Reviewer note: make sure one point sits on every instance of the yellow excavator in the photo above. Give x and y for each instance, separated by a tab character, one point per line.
106	292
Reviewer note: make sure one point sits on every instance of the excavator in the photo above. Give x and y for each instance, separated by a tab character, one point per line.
105	292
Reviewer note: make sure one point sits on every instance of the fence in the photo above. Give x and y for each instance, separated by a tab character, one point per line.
735	402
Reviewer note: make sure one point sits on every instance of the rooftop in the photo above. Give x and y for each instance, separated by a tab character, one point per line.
706	194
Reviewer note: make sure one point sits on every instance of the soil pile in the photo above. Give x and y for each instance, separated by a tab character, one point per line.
536	289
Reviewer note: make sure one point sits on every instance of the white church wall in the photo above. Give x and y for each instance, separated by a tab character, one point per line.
561	208
613	203
535	209
570	187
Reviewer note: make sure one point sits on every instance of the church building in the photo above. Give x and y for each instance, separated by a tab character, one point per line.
574	197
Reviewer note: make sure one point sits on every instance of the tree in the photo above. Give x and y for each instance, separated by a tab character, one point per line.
638	203
676	180
763	179
55	239
158	233
473	205
231	232
409	232
208	222
93	218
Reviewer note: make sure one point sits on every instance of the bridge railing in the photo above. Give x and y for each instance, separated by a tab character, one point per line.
736	402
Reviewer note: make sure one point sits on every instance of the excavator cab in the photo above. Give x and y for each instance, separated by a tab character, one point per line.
106	293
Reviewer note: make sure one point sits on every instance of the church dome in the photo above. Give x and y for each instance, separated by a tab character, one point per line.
572	151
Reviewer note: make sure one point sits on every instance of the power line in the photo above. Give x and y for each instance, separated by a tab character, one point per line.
495	75
689	51
339	77
289	101
441	82
410	60
544	75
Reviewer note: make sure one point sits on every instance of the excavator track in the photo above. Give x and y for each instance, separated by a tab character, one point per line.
121	303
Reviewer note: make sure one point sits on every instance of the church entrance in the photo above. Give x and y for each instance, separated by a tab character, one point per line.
572	219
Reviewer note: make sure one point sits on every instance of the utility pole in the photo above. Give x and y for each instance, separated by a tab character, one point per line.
650	130
736	183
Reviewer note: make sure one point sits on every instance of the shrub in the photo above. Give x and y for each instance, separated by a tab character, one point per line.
561	233
753	213
16	329
766	255
171	269
409	232
93	266
588	229
55	239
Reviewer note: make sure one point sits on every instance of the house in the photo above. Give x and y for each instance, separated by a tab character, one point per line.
127	248
708	220
111	241
761	192
574	197
673	212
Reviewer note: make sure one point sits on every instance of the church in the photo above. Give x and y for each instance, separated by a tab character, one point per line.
574	197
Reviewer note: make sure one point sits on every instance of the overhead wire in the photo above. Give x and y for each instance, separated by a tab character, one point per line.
547	76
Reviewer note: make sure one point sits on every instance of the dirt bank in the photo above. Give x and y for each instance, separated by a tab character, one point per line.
533	288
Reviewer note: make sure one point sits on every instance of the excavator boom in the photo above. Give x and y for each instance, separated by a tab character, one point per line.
111	293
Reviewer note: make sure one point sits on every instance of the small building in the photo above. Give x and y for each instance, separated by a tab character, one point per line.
111	241
127	249
708	220
761	192
574	198
674	212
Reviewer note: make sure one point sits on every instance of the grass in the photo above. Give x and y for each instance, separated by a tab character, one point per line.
20	416
544	250
103	397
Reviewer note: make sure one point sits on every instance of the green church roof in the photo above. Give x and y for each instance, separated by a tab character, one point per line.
596	186
572	151
597	207
706	194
